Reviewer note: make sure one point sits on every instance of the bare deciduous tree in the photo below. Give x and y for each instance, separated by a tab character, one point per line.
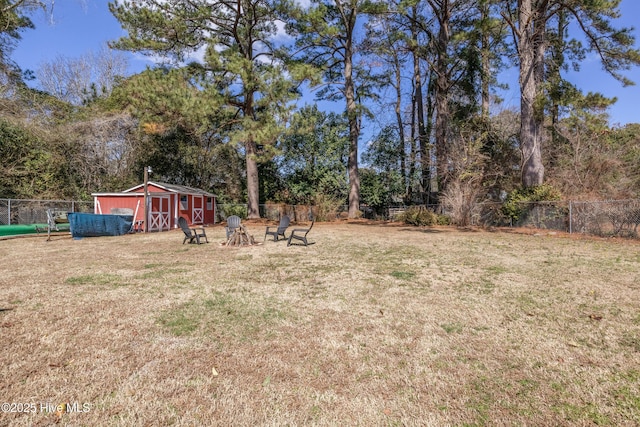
78	80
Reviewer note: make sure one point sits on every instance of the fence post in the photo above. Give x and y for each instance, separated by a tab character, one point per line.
570	218
9	212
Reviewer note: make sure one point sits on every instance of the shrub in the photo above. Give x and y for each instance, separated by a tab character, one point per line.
461	199
419	215
326	207
443	220
518	199
230	209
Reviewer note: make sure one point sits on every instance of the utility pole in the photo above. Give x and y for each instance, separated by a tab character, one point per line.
147	170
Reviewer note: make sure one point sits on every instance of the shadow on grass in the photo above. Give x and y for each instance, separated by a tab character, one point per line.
440	229
424	230
403	227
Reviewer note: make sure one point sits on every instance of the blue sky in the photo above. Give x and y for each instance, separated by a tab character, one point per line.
83	26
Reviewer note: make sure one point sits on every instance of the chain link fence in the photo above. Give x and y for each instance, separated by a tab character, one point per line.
600	218
23	211
544	215
606	218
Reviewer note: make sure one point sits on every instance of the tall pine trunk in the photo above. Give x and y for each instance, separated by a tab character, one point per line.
251	162
531	54
398	110
253	181
485	55
354	133
442	95
413	150
423	136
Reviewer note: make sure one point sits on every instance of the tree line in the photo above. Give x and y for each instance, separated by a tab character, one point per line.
414	86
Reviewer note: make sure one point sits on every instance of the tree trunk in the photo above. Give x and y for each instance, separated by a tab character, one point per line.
413	151
251	161
430	152
485	55
354	126
423	137
352	165
253	181
398	110
531	54
442	96
555	81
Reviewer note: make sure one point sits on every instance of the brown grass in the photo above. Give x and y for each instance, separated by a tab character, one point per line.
372	325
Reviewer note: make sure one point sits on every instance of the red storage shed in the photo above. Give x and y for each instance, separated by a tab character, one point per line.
166	202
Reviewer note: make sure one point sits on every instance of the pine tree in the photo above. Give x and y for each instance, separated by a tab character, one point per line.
530	24
327	38
242	66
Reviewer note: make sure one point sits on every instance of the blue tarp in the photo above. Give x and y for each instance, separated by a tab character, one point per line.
93	225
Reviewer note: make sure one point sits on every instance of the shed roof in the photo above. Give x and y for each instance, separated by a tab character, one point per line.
172	188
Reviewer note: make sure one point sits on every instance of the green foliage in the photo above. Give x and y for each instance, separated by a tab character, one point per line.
379	190
627	143
53	150
421	216
234	209
271	184
25	171
13	19
164	98
183	129
312	159
372	188
303	188
382	184
443	220
516	201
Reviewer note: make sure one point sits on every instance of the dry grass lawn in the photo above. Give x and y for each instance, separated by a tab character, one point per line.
373	325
